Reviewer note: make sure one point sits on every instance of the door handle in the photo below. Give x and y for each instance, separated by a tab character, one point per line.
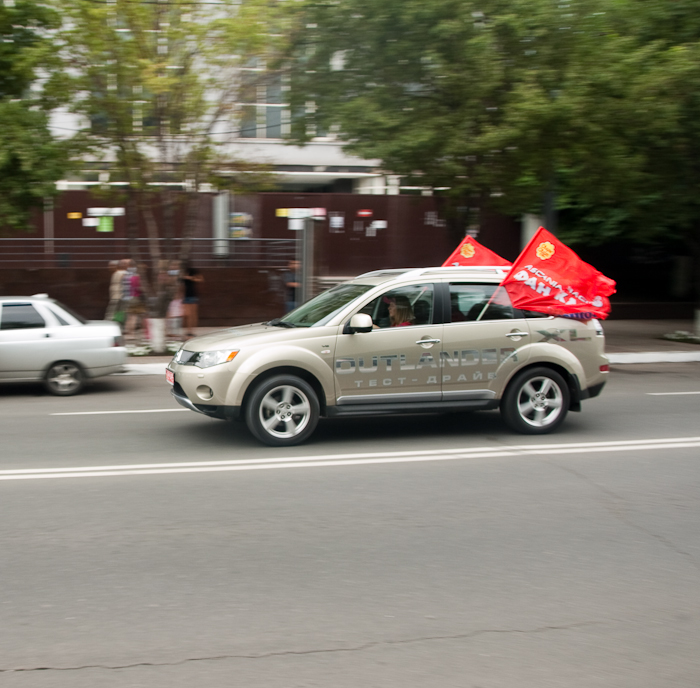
517	334
428	341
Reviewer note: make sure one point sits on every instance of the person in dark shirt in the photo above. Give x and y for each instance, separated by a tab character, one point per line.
190	300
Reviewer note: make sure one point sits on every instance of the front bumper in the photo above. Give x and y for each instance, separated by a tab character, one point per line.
209	410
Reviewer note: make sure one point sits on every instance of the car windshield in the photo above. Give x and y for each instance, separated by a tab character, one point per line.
323	307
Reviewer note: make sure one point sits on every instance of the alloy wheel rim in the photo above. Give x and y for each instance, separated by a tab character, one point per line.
64	377
540	402
284	411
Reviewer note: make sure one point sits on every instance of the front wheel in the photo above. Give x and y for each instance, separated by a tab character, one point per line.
282	411
536	401
64	379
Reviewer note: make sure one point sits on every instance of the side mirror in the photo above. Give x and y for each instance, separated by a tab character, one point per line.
360	322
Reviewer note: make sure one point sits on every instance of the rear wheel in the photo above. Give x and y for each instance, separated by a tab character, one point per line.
282	411
536	401
64	379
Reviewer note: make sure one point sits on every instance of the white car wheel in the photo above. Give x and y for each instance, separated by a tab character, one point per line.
64	379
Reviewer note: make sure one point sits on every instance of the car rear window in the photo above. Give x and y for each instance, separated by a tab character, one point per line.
469	302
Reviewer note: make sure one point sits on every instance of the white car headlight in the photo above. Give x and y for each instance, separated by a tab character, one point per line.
207	359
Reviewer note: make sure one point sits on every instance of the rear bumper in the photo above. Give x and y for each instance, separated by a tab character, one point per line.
593	391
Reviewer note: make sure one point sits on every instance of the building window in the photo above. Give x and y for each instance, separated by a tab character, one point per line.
263	112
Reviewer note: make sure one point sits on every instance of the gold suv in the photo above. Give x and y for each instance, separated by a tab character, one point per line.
394	341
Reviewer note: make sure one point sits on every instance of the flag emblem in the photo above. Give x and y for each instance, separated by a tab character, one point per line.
467	251
545	250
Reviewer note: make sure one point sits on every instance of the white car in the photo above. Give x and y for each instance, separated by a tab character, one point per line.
40	339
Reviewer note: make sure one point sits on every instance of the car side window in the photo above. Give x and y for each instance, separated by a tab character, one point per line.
402	307
61	320
20	316
470	302
529	314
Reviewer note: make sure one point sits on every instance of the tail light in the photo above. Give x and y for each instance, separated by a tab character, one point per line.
605	368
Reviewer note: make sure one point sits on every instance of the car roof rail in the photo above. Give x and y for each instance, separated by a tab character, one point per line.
495	270
498	270
387	272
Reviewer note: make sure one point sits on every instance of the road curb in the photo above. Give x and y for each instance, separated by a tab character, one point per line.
655	357
144	369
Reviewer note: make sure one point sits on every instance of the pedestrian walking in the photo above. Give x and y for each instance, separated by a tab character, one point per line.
117	269
132	296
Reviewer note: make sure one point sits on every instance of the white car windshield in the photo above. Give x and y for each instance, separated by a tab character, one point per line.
323	307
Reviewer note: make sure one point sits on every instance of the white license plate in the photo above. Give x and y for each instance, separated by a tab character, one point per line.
170	376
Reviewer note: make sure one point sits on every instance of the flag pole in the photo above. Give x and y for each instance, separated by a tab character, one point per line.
488	303
495	291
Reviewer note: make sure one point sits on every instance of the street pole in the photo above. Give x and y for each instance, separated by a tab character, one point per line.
306	248
221	221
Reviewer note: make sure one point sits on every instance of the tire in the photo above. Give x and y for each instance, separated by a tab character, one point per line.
64	379
282	411
536	401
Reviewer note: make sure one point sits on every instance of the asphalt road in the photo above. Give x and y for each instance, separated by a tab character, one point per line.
164	549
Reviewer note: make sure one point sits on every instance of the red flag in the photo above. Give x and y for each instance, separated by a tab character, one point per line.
471	252
548	277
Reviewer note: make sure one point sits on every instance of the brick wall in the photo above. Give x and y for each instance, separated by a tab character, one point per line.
227	296
232	296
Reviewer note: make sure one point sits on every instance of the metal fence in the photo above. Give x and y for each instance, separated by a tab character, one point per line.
97	252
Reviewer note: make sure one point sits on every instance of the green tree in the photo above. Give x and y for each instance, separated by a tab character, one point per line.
659	131
502	101
158	86
30	159
489	98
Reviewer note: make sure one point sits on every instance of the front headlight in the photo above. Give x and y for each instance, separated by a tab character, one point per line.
207	359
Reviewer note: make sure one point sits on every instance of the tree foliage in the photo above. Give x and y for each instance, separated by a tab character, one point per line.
157	86
30	159
490	98
503	99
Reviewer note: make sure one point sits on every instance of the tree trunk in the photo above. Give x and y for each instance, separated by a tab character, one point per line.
156	334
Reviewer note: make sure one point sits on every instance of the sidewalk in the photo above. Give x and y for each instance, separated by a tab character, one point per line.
640	341
626	341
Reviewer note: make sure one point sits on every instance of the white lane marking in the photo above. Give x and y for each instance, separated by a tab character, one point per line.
523	448
349	459
108	413
669	394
